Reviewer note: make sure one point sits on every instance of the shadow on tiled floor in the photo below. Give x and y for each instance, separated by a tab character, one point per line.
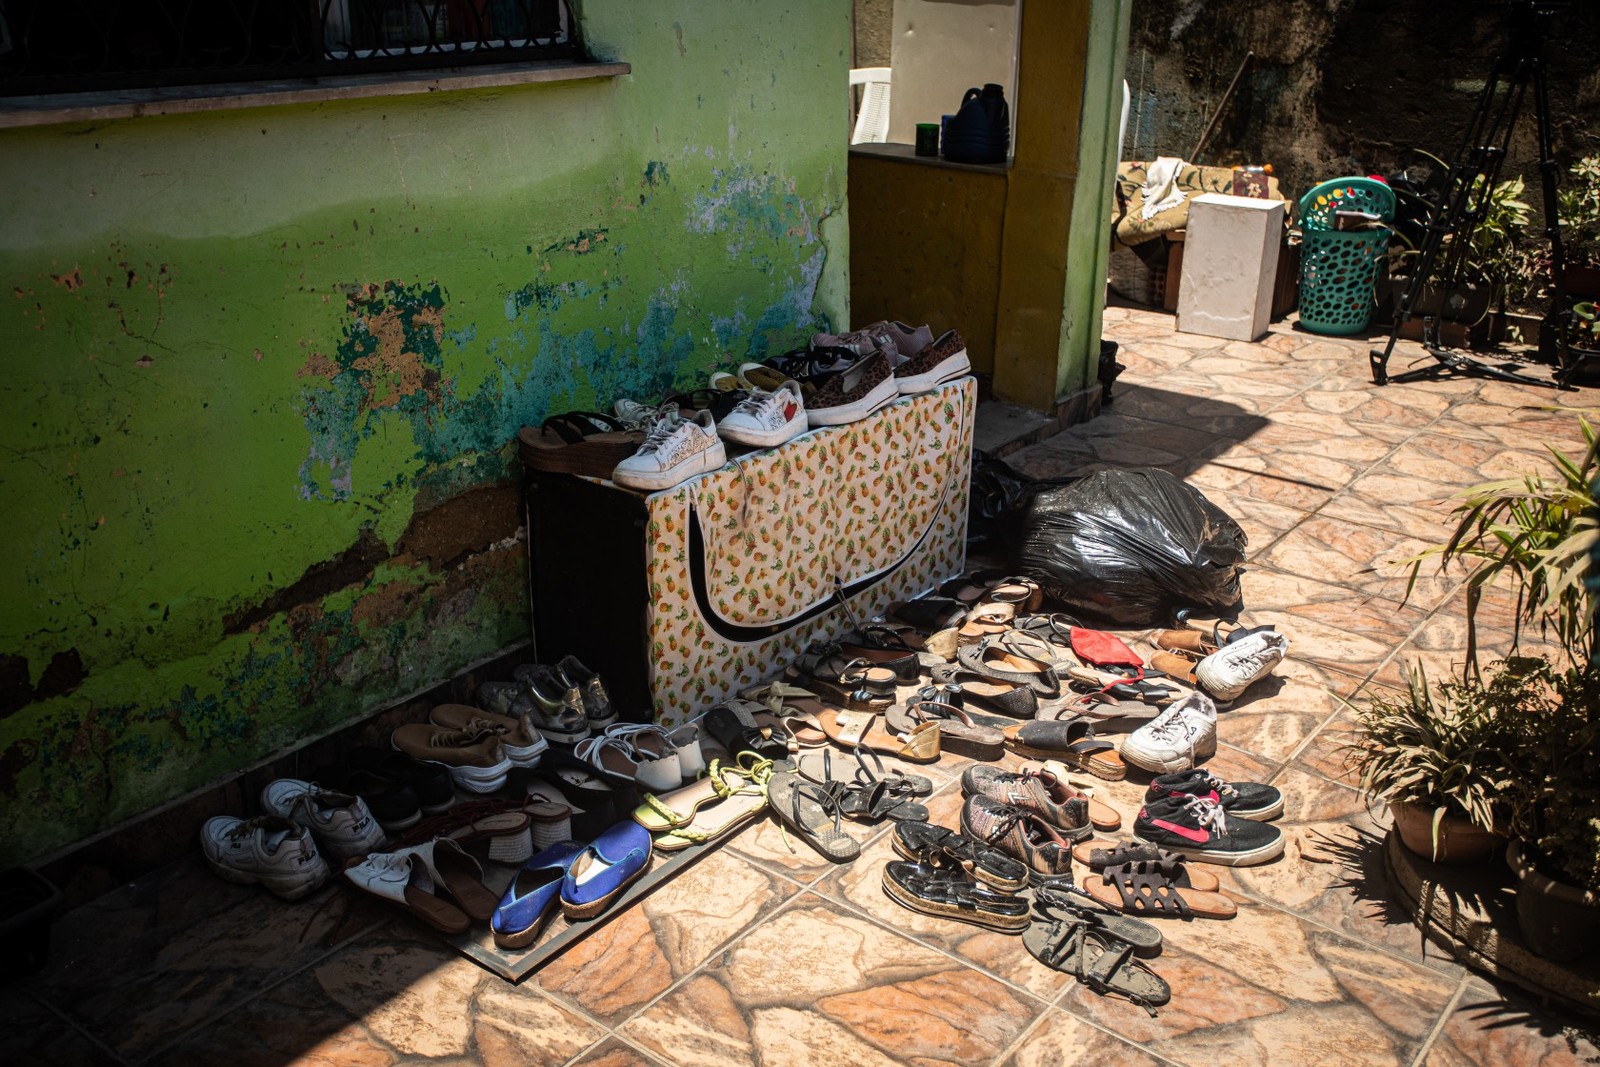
761	954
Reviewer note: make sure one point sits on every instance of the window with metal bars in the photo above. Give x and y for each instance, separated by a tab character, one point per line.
62	46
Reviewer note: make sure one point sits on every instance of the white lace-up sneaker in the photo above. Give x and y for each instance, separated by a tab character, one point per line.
267	850
766	420
1177	739
340	822
675	450
1234	667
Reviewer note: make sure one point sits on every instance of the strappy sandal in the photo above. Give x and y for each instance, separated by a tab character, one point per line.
1138	890
1000	660
814	812
865	798
957	732
741	794
1065	942
862	729
853	682
986	620
1061	895
1072	741
619	756
1019	590
1098	855
736	726
918	840
943	888
902	662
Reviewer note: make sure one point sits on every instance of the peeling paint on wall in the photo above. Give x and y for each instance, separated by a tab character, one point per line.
259	418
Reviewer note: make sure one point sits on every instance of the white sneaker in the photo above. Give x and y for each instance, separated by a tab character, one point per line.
267	850
340	822
634	415
675	450
1234	667
766	420
1181	736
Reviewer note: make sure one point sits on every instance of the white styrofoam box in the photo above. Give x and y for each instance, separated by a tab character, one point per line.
1230	262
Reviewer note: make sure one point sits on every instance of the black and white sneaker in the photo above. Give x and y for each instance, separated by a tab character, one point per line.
1242	800
1201	830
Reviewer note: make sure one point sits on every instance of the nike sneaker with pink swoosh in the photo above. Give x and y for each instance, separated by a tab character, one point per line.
1201	830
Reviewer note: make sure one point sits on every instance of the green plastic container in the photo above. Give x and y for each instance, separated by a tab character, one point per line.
1338	269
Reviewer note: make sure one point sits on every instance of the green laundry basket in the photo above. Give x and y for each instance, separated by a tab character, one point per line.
1338	268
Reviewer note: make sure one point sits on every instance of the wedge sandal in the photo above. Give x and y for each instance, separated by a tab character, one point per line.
958	733
950	893
1072	742
1138	890
1105	964
919	840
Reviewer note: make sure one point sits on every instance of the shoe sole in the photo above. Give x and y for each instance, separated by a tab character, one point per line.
655	481
882	393
1266	814
523	938
285	888
1264	854
595	907
526	755
1005	924
394	826
566	737
481	779
599	725
1181	762
766	438
949	370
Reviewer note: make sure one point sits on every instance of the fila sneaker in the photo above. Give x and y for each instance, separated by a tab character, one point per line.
267	850
766	420
1242	800
1201	830
341	823
1237	665
1181	736
675	450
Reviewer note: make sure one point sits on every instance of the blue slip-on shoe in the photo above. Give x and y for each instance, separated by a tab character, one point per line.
603	870
527	904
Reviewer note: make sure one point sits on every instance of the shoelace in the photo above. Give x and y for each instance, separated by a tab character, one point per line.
1167	726
759	402
1209	814
1217	785
661	432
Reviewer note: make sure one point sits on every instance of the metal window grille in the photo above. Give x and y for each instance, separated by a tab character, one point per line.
57	46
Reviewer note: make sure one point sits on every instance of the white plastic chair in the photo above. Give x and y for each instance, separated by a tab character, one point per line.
872	121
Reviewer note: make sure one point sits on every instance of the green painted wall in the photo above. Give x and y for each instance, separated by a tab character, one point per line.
261	369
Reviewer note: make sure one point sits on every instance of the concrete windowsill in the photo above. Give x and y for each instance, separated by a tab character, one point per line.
187	99
905	153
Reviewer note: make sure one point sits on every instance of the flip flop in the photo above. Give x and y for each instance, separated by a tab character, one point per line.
1098	855
742	794
958	733
1072	741
1146	892
1108	715
1103	963
813	812
853	729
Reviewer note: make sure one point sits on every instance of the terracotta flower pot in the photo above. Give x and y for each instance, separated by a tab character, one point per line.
1559	921
1460	841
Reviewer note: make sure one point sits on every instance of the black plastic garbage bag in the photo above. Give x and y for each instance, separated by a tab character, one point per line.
999	493
1132	547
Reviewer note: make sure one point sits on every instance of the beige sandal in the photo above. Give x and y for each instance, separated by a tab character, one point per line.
860	729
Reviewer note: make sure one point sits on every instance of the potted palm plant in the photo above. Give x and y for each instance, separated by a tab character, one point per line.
1540	535
1433	755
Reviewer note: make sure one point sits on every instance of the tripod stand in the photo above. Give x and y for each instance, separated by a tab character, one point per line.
1464	200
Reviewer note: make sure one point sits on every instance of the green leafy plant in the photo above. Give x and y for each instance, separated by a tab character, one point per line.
1536	532
1578	207
1585	325
1437	747
1552	749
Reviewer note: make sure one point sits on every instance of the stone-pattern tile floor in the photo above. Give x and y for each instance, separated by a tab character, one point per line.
766	954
